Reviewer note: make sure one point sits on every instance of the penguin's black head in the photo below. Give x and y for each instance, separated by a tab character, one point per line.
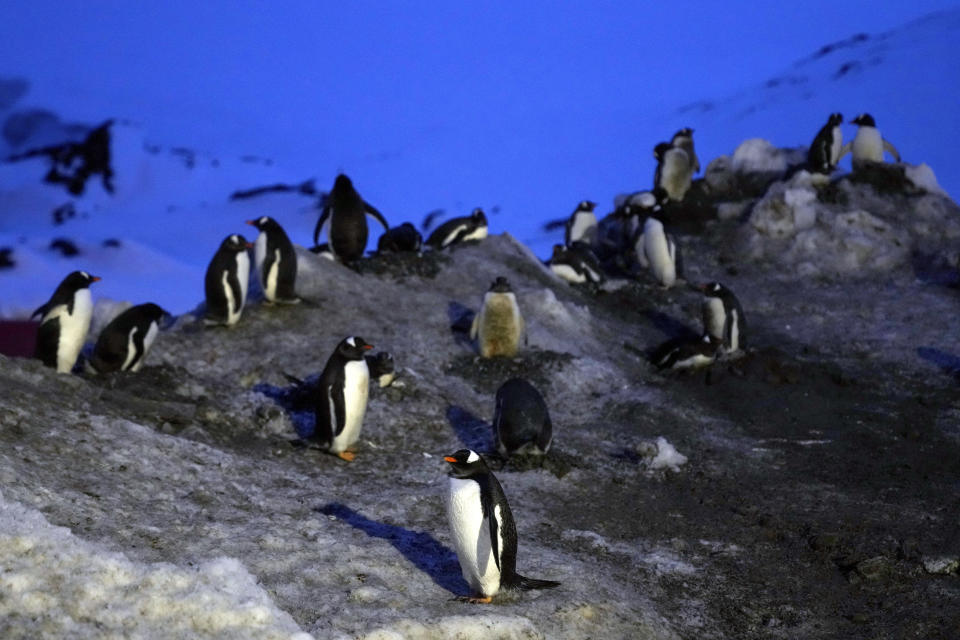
586	205
686	132
380	364
235	242
342	182
153	311
353	348
263	223
479	216
465	463
78	280
864	120
710	289
835	119
661	149
559	252
661	195
501	285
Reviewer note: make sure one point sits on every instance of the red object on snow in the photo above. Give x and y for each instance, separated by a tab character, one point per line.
18	338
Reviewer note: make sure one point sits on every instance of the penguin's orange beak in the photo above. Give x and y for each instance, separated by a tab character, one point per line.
367	347
449	458
95	278
249	245
251	222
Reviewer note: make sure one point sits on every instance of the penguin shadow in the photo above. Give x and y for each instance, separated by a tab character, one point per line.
461	318
296	400
473	432
946	362
419	547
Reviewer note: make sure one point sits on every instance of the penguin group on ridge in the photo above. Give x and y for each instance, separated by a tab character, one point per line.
481	523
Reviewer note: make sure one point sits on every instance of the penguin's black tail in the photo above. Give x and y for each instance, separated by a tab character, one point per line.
525	583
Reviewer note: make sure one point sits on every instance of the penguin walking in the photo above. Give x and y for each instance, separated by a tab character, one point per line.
457	230
581	226
226	282
868	145
399	239
343	389
124	343
684	140
674	170
483	529
498	326
276	261
723	317
576	264
661	253
64	322
347	212
521	421
824	152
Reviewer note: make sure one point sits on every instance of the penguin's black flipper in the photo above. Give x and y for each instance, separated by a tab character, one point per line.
369	208
323	218
523	582
48	336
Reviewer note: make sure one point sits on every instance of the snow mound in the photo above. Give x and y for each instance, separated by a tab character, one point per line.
667	456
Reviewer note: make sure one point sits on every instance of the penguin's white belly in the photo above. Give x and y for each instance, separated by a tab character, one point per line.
568	273
835	146
270	278
73	329
676	174
471	537
148	339
260	251
235	307
734	330
477	234
583	228
356	386
656	247
714	318
868	145
640	252
131	349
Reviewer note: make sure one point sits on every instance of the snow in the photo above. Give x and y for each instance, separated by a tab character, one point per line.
667	456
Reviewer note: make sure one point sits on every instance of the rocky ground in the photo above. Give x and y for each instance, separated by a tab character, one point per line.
819	498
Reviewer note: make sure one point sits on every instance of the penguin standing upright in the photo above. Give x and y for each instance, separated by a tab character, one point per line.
124	343
498	326
723	317
456	230
868	145
226	281
521	421
674	170
582	224
65	320
342	398
276	261
825	149
483	530
684	140
661	253
347	212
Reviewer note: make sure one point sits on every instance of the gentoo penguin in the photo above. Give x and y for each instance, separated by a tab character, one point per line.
399	239
382	368
576	264
661	253
347	212
825	149
723	318
684	139
483	530
521	422
868	145
582	224
342	397
124	343
64	322
498	325
674	171
686	354
472	227
276	261
226	281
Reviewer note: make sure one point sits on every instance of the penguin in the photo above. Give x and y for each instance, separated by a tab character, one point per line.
399	239
124	343
382	368
582	224
576	264
498	326
825	149
347	212
521	422
483	529
723	317
276	261
674	171
661	253
686	354
226	281
342	398
64	322
323	251
868	145
684	140
472	227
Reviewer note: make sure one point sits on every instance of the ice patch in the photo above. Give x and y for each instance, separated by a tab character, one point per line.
757	155
667	456
660	560
923	177
479	627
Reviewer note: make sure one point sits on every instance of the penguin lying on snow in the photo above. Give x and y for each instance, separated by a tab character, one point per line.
226	282
723	317
576	264
472	227
498	326
868	145
65	320
400	239
483	530
347	212
581	226
276	261
521	421
686	354
824	152
342	398
124	343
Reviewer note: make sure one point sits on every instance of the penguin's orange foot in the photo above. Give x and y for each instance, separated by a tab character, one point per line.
349	456
475	599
